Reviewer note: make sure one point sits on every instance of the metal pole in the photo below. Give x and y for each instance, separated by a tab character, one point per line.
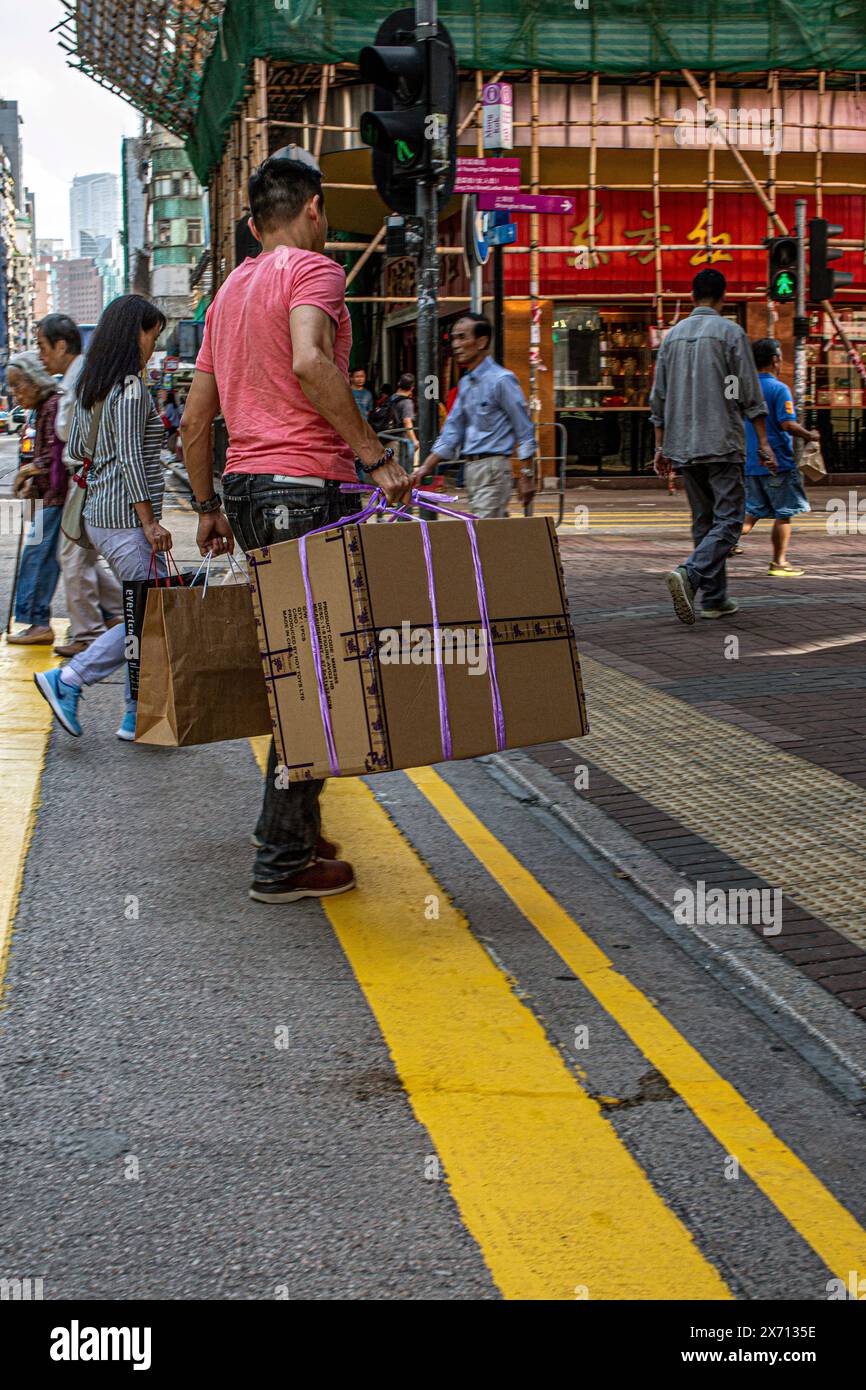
427	282
800	321
499	305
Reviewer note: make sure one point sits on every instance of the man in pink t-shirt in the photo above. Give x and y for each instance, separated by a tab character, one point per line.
274	360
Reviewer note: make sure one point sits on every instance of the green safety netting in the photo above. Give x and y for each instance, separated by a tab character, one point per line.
615	37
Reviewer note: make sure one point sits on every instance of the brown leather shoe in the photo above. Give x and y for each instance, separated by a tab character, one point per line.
325	849
31	637
323	878
72	648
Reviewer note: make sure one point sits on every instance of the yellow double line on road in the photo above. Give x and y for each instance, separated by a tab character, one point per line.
547	1189
557	1205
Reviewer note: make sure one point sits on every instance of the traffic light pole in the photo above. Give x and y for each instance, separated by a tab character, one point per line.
801	323
427	281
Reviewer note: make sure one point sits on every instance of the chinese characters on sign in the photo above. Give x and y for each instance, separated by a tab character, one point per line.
643	238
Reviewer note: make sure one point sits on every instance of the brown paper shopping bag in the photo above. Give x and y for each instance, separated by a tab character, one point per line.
201	677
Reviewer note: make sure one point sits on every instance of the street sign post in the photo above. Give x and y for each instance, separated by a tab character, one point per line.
524	202
497	112
476	247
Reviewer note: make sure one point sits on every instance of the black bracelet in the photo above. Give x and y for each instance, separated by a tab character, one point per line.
211	504
386	458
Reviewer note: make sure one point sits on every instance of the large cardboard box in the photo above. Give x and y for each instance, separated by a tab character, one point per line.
373	613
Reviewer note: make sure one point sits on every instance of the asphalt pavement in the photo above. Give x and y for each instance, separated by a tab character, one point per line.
498	1069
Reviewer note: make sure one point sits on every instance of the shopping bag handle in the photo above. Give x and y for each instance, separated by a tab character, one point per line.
234	568
170	560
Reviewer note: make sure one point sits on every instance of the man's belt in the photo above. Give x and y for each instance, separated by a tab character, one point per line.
473	458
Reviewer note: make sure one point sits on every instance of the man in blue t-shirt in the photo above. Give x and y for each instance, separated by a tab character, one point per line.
779	496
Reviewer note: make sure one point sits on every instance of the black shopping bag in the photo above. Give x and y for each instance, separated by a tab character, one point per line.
134	602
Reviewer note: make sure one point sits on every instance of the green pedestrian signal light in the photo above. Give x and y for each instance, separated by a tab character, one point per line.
782	268
405	154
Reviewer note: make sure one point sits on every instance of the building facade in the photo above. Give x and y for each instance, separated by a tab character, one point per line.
10	141
79	289
177	221
135	163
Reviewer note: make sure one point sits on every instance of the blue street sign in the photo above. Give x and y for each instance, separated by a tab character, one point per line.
501	236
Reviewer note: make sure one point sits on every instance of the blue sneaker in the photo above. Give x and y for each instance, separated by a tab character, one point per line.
62	698
127	727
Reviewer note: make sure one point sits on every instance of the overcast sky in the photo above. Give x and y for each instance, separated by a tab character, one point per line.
71	124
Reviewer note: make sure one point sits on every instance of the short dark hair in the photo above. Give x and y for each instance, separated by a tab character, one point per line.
406	382
709	284
114	352
483	326
56	326
764	350
280	189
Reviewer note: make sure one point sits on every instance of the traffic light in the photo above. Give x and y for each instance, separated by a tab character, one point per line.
413	129
824	282
782	269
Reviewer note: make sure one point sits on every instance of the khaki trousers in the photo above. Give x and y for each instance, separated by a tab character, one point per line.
92	592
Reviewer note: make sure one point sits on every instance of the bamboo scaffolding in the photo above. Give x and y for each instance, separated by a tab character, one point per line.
593	155
819	148
711	176
657	216
534	316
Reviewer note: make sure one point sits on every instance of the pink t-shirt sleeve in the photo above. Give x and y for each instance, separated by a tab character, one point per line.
204	361
320	282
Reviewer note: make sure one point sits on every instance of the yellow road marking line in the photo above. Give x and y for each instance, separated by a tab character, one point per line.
800	1196
25	725
546	1188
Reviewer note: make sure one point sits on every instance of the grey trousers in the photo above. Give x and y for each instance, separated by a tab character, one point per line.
129	555
92	591
488	485
717	497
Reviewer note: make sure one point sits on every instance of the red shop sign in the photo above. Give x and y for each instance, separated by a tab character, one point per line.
626	219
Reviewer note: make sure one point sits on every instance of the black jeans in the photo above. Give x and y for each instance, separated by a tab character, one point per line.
263	510
717	497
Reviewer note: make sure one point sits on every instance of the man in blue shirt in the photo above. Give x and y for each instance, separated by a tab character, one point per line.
779	496
488	422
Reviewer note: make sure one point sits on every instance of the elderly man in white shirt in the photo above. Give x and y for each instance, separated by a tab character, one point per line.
93	594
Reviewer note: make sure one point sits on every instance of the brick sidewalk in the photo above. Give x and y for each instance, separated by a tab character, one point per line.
783	707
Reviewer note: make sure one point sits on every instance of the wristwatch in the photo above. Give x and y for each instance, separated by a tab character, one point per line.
386	458
211	504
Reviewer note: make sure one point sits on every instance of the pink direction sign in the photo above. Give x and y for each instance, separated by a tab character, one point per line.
487	175
523	202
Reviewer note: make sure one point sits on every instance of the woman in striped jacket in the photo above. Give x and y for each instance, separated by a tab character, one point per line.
125	485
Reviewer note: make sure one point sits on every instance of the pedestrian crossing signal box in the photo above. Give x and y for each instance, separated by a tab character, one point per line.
413	129
782	269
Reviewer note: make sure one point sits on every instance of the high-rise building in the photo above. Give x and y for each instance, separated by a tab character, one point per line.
10	141
93	208
79	289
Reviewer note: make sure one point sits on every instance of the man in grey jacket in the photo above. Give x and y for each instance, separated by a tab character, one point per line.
705	385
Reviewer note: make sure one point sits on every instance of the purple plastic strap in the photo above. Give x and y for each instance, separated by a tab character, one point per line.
379	504
444	722
317	661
